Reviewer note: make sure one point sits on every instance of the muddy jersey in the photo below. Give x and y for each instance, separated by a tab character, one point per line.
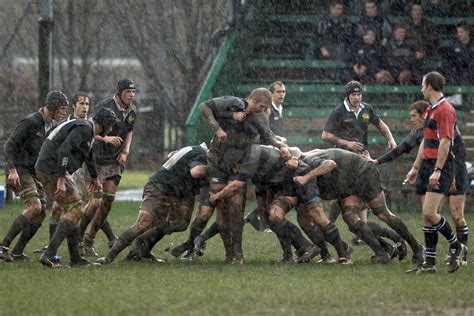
67	147
24	144
108	153
350	176
263	164
174	177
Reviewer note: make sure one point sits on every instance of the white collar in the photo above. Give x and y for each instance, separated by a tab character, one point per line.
438	102
348	107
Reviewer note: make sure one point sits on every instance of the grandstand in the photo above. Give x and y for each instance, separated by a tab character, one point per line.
273	46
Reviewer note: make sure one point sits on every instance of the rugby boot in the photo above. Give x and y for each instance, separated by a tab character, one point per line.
20	257
199	246
356	241
102	261
308	254
188	255
5	255
344	260
111	242
327	259
426	269
50	262
180	249
402	250
82	262
380	258
40	250
419	255
88	249
456	258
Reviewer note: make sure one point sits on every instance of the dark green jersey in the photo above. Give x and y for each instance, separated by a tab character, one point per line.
351	169
108	153
174	177
263	164
346	124
24	144
67	148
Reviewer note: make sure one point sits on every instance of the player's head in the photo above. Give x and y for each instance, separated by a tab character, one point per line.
126	91
80	104
106	118
354	86
57	103
259	100
278	92
416	112
433	82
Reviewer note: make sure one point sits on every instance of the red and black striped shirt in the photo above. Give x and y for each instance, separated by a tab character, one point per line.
440	119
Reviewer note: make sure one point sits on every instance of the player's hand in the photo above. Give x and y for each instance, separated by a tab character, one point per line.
372	161
13	177
114	140
94	185
213	198
324	52
292	163
60	188
392	144
434	179
285	153
239	116
300	180
411	176
122	158
221	136
355	146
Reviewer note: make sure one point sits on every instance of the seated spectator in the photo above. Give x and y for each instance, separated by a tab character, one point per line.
333	33
367	57
400	58
437	7
422	32
459	58
372	20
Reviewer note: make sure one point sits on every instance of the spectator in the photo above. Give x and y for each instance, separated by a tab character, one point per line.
400	58
436	7
460	56
333	33
371	19
422	33
367	58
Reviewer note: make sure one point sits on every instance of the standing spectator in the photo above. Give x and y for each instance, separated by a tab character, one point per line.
401	59
460	57
333	33
433	171
111	153
367	57
21	152
372	20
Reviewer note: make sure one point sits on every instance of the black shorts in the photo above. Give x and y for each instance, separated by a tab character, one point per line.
309	193
461	177
426	170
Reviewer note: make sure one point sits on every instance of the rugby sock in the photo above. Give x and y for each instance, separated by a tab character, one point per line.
445	229
335	211
20	223
297	238
252	219
283	236
26	235
64	229
85	221
431	241
210	232
399	226
125	239
197	228
53	224
331	234
73	245
107	229
381	231
317	237
462	234
367	235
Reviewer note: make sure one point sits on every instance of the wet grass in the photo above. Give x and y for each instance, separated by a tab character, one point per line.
134	179
208	286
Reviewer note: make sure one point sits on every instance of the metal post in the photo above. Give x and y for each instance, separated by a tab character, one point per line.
45	49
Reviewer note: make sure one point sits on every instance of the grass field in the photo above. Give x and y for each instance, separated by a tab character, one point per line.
208	286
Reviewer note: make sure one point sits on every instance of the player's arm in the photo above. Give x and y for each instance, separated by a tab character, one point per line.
411	176
385	131
325	167
227	191
122	158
